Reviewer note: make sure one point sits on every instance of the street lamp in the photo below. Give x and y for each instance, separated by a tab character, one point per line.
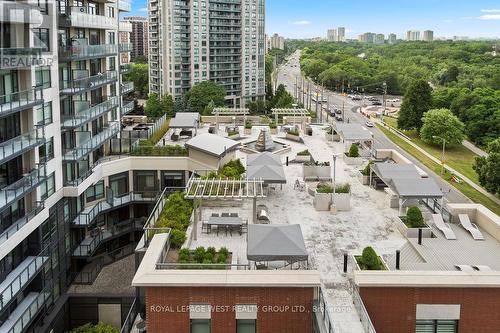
442	154
334	173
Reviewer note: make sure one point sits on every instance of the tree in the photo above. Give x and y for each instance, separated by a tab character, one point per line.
156	107
369	259
414	217
139	75
353	150
449	75
199	96
98	328
417	101
439	124
488	168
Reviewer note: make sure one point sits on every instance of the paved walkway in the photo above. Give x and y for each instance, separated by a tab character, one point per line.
476	150
450	169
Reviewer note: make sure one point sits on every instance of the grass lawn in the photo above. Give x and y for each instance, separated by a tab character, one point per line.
459	157
463	187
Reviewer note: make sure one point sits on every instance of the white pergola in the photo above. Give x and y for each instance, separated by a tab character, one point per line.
294	113
229	112
198	189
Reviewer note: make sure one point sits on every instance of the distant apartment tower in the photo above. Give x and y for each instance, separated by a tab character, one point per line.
138	36
412	35
277	42
392	39
331	35
380	39
367	37
218	40
428	35
341	34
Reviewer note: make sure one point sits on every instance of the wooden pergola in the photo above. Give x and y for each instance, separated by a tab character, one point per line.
229	112
198	189
300	113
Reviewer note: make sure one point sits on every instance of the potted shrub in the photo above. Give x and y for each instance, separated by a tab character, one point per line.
323	197
364	174
370	261
293	135
408	225
342	197
352	156
248	127
303	156
273	127
233	134
331	134
315	170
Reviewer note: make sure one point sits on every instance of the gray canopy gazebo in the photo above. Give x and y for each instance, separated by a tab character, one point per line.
270	174
265	158
354	133
276	243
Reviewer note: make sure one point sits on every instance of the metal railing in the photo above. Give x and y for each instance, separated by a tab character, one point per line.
10	231
149	227
31	312
91	82
22	142
162	265
130	318
75	52
125	47
79	17
360	308
93	143
127	107
124	5
22	279
80	118
126	68
19	188
20	99
127	86
321	310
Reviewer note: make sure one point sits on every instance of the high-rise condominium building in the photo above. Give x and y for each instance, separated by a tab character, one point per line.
392	38
379	39
367	37
61	101
199	40
277	42
336	35
341	34
138	36
412	35
428	35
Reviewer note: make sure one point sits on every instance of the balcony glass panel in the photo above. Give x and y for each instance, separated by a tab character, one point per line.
76	52
94	112
79	17
125	47
124	5
127	86
25	312
10	231
20	100
20	188
88	83
21	143
93	143
127	107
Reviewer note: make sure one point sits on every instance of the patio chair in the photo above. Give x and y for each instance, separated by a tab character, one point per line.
465	268
482	268
262	215
446	230
470	227
225	215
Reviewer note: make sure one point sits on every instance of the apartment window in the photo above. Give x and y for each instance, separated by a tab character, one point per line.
46	152
95	192
44	114
41	39
111	11
246	325
119	184
436	326
44	8
145	181
200	326
111	38
48	187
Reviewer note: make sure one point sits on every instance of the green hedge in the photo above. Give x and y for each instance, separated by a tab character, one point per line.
176	215
143	150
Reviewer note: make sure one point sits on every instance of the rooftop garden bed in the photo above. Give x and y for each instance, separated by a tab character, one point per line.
370	261
234	169
176	215
205	256
146	150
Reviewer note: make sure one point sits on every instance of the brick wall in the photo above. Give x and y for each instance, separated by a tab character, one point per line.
282	320
393	309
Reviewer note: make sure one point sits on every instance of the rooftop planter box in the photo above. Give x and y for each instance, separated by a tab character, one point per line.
209	256
342	197
273	128
364	174
303	156
294	136
352	157
248	127
234	135
332	135
370	261
323	197
316	170
413	221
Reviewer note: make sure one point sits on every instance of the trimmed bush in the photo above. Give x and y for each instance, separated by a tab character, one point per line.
199	254
272	125
99	328
184	255
414	218
209	256
353	151
366	170
369	260
221	258
177	238
223	250
248	124
211	250
343	188
324	188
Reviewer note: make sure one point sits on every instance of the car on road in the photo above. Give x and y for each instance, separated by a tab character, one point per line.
394	100
339	118
356	98
377	102
372	98
369	124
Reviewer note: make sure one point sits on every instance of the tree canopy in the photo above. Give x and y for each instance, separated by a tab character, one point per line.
139	75
488	168
157	107
417	101
200	95
439	124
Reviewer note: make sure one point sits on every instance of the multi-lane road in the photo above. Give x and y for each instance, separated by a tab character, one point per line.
289	74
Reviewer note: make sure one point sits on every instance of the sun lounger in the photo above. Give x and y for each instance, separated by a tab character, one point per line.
482	268
470	227
465	268
446	230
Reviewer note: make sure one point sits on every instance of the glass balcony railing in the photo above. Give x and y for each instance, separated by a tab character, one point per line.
125	26
20	100
78	52
125	47
79	86
80	17
16	57
20	188
126	68
26	311
19	278
20	12
22	143
92	144
10	231
90	114
127	107
127	87
124	5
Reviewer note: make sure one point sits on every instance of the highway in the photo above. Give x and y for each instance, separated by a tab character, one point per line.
289	74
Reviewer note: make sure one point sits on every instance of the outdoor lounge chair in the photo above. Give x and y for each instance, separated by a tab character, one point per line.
465	268
233	214
482	268
470	227
215	214
446	230
224	215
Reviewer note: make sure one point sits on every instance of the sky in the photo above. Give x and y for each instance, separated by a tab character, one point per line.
312	18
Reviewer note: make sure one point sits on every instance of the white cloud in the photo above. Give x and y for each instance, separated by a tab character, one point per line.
490	17
143	9
302	22
490	10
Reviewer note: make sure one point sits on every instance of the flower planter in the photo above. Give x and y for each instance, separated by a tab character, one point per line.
322	201
412	232
303	158
332	137
293	137
274	131
316	171
358	268
247	131
353	160
365	180
342	201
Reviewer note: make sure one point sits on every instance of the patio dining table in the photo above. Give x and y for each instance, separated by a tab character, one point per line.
228	223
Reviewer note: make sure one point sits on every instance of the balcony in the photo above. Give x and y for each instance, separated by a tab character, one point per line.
79	17
81	85
89	244
126	68
96	141
125	47
19	57
87	216
26	310
20	100
20	188
127	87
21	144
20	12
127	107
125	26
10	231
80	52
19	278
94	112
124	5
